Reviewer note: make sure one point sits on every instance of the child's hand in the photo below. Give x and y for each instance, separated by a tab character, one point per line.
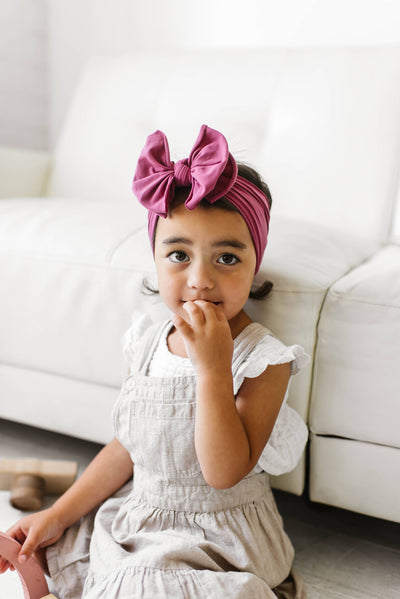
207	336
34	532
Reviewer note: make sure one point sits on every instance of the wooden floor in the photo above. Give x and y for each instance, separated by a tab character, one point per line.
341	555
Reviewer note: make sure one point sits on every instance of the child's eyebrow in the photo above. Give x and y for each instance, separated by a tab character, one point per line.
172	240
234	243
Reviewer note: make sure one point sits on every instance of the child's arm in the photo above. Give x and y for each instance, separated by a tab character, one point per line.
230	432
108	471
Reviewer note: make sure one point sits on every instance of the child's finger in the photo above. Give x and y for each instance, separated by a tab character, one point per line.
17	532
210	309
30	545
211	312
195	312
180	323
220	314
4	565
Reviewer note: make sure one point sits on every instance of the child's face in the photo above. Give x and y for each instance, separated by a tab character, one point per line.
205	253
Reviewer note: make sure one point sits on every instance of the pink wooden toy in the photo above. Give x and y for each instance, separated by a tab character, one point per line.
31	574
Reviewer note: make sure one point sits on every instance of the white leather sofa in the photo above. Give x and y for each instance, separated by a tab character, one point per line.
323	127
355	407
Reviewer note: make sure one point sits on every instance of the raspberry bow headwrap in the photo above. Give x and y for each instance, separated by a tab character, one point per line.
211	173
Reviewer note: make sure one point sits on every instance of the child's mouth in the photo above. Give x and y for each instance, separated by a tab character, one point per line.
208	301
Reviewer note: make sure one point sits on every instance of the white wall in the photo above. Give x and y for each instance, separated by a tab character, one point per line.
80	29
45	43
24	94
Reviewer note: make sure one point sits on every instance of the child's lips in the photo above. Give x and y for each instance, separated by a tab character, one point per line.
203	300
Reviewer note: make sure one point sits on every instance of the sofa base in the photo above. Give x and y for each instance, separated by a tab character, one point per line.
357	476
44	400
291	482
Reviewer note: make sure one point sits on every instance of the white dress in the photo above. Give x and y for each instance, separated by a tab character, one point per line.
168	533
290	434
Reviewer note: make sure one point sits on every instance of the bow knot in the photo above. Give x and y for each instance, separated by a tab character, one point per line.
182	174
210	170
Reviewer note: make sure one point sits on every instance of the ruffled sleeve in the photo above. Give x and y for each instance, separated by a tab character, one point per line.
286	443
269	351
289	435
140	322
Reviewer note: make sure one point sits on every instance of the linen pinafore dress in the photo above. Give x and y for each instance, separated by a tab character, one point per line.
168	533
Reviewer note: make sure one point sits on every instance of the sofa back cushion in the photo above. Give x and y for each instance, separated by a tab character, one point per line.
322	125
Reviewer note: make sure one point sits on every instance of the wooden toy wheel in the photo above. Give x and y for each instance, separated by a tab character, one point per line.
31	574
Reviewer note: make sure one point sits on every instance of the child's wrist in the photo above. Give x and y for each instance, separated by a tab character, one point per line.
215	378
61	515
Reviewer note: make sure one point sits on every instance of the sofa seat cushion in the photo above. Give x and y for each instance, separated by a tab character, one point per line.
356	386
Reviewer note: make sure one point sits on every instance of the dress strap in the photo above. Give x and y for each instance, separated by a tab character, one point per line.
246	341
147	346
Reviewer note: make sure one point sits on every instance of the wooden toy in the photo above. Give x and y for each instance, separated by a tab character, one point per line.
29	479
33	580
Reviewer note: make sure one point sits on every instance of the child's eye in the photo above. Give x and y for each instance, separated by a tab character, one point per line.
178	256
228	259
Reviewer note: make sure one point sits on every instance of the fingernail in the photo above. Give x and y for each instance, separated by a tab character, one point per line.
22	559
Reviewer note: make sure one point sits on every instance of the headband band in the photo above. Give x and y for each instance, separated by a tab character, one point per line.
210	171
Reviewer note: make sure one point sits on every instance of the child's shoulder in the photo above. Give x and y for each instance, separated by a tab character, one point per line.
141	326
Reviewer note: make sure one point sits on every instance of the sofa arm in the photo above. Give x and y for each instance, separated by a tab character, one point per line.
23	173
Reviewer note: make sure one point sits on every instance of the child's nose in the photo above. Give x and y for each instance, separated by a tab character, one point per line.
200	276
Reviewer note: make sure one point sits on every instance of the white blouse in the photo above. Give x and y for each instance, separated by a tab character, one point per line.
289	435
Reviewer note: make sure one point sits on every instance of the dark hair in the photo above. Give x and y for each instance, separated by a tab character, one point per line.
249	173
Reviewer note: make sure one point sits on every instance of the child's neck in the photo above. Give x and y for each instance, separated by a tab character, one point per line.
177	347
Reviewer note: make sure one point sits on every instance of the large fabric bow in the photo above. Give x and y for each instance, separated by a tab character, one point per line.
210	171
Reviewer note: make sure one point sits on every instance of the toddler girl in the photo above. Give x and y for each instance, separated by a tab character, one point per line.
201	418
